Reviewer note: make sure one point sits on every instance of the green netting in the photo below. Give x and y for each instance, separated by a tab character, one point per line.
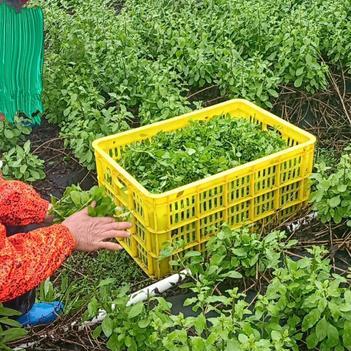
21	62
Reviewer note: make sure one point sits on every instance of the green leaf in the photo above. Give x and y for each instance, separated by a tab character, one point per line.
345	307
311	319
76	198
113	343
333	336
10	322
275	335
190	301
97	332
346	336
26	146
107	282
322	329
299	71
233	275
347	296
198	344
107	326
243	338
190	254
298	82
136	310
200	324
8	134
144	323
7	312
334	202
23	168
13	334
93	307
312	341
308	59
240	252
232	345
342	188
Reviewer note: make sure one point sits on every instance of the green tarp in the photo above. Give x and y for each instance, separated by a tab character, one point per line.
21	61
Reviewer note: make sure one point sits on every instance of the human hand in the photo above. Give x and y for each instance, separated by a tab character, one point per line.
90	233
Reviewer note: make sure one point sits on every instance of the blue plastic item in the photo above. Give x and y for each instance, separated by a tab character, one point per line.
41	313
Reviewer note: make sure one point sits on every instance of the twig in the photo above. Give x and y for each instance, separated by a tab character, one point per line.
344	83
340	97
64	153
253	300
208	102
89	173
331	246
201	91
250	287
45	143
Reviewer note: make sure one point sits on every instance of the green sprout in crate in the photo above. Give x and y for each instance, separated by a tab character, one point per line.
203	148
75	199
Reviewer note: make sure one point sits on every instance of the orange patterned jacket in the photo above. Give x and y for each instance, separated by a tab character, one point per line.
28	259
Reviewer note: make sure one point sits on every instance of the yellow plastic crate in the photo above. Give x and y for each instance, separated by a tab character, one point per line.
273	186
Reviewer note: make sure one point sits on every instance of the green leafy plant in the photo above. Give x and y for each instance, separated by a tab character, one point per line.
230	254
169	160
47	292
77	280
331	197
152	326
79	134
75	199
21	164
304	304
10	329
141	64
12	134
309	301
249	252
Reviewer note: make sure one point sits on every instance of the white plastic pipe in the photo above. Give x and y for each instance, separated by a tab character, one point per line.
143	294
158	287
296	225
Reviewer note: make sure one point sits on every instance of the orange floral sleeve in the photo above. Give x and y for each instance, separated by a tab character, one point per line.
28	259
20	204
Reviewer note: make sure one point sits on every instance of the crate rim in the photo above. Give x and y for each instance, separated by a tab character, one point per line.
96	145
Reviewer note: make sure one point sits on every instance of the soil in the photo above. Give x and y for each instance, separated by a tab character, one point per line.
61	168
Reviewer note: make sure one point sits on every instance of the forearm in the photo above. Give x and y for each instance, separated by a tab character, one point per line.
26	260
20	205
